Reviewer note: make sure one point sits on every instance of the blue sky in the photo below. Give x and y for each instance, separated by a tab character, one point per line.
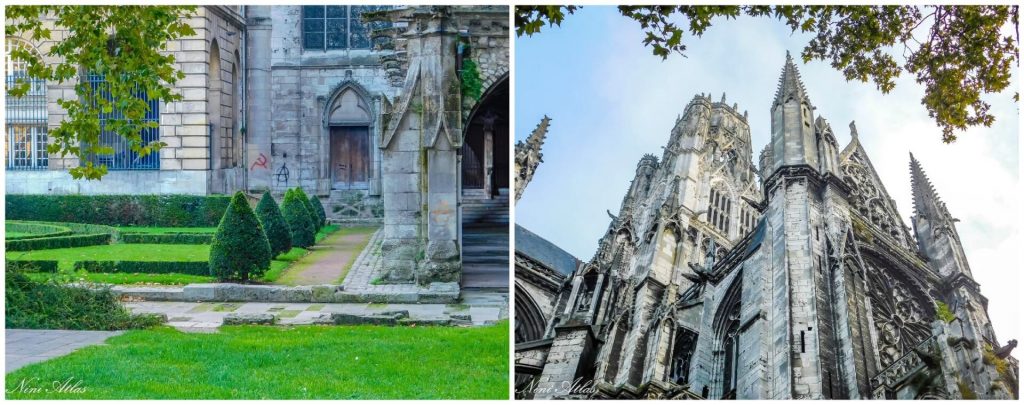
611	101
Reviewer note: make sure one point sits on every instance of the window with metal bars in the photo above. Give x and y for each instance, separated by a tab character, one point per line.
25	117
338	27
719	206
123	156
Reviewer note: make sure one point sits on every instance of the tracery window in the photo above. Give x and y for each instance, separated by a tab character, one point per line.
748	218
719	207
338	27
726	326
902	313
26	116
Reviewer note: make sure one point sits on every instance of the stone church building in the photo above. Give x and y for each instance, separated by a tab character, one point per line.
392	114
789	277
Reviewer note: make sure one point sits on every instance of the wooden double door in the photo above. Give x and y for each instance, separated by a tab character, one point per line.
351	160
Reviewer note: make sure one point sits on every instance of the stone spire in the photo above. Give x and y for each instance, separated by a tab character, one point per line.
790	84
794	142
935	228
529	156
926	201
539	134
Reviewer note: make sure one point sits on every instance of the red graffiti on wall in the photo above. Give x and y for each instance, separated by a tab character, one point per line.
261	161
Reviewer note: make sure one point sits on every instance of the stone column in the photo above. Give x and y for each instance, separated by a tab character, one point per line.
443	133
258	130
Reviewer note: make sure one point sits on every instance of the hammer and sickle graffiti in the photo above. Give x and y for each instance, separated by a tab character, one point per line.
260	161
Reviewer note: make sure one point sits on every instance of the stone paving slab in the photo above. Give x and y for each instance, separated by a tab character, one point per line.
27	346
482	308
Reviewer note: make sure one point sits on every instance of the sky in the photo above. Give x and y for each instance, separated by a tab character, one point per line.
611	101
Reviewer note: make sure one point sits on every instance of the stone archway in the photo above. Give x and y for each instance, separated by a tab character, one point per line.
484	192
486	141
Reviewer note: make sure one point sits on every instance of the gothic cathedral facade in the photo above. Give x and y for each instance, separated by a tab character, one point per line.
792	277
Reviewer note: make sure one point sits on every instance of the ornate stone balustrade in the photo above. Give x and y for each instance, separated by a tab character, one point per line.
901	369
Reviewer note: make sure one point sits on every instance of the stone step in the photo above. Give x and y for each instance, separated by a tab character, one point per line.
484	250
477	241
485	280
485	260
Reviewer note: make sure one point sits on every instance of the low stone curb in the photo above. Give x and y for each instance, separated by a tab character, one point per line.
250	319
436	293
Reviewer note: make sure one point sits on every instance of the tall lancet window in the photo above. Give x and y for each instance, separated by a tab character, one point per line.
719	206
726	326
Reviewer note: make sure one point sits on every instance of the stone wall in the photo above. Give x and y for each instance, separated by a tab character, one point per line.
303	82
183	124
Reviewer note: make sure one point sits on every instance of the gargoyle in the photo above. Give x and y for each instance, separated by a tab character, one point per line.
1004	352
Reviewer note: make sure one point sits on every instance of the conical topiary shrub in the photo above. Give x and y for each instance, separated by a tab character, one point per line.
319	207
309	208
299	220
274	225
239	250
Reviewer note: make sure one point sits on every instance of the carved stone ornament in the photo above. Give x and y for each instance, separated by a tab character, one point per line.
902	315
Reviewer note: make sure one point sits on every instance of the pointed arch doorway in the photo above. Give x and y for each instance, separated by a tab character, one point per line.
349	122
484	192
485	150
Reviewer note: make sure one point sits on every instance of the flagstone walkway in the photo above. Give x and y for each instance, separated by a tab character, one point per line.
476	308
27	346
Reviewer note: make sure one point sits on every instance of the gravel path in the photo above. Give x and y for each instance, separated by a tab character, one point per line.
327	260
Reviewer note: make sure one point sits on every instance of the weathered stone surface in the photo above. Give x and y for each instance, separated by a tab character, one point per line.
351	319
249	319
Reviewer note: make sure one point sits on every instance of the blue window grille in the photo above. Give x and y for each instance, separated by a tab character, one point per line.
123	156
25	117
338	27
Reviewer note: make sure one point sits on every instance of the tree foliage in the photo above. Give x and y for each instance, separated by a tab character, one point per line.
239	250
126	45
299	220
958	53
274	225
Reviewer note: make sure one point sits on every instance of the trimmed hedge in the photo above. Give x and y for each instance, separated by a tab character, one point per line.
128	266
168	238
240	250
58	242
300	222
274	225
41	266
36	229
319	208
120	210
313	217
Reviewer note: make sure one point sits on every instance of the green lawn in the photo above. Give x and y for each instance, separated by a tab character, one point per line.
308	362
133	252
326	230
157	229
129	278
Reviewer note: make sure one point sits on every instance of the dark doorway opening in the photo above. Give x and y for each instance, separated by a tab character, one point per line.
485	150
